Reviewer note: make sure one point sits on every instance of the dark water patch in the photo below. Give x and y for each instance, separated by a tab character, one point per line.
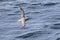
12	14
58	33
46	26
25	36
4	10
36	12
56	17
55	26
32	7
6	0
50	4
33	34
24	4
58	39
1	0
21	4
15	7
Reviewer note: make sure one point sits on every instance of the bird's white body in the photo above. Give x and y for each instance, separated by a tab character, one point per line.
22	20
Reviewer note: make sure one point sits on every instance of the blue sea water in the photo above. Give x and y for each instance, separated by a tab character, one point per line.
43	25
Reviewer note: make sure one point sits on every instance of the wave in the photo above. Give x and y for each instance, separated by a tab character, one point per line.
33	34
50	4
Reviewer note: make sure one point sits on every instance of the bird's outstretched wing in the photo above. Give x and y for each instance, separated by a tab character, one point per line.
26	19
22	12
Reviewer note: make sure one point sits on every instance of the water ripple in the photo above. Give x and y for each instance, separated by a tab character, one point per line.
50	4
45	15
4	10
33	34
58	39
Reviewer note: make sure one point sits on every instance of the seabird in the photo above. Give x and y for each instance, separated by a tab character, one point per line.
22	19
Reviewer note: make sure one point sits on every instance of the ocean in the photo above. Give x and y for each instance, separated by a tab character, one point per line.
43	25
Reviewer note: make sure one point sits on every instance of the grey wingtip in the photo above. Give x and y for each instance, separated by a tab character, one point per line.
21	7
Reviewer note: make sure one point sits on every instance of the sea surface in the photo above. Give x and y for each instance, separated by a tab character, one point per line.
44	22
